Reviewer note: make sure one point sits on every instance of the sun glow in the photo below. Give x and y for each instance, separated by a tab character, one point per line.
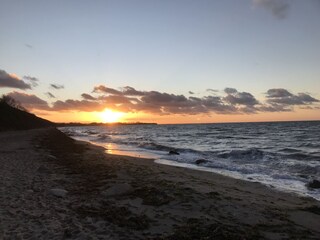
109	116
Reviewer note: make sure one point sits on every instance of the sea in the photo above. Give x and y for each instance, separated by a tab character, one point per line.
281	155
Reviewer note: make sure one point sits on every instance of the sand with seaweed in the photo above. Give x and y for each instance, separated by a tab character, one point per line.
116	197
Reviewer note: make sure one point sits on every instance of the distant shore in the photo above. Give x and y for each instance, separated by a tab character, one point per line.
78	124
55	187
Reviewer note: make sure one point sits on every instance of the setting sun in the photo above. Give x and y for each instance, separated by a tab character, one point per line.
109	116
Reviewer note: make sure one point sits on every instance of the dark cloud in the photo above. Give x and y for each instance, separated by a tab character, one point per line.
230	90
104	89
115	99
163	98
29	101
28	46
241	98
278	8
50	95
306	98
273	108
216	104
86	96
129	99
212	90
190	92
33	80
130	91
167	103
278	93
284	98
247	100
233	102
12	81
127	91
77	105
56	86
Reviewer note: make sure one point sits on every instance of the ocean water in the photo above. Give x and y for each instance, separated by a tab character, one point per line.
283	155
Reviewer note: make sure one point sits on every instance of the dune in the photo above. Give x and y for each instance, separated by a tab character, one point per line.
13	118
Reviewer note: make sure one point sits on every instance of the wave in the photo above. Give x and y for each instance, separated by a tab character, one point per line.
247	154
289	150
302	156
90	132
102	138
155	146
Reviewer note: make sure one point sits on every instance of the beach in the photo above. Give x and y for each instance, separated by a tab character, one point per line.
53	187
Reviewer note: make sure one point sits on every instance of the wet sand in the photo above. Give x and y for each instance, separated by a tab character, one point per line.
52	187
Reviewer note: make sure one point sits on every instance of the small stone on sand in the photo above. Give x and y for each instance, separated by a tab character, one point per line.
52	157
58	192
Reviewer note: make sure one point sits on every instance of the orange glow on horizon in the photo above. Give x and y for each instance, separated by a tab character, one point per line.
109	116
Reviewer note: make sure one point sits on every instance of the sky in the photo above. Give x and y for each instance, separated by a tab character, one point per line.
165	61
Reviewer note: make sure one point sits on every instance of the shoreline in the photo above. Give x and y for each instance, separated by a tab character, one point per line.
234	176
299	188
121	197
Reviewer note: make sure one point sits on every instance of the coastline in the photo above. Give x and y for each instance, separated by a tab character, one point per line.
252	153
121	197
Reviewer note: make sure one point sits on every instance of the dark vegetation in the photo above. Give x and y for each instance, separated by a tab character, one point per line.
14	117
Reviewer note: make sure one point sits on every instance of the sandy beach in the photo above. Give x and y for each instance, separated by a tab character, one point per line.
52	187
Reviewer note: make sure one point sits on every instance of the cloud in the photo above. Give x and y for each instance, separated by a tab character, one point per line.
115	99
278	8
132	100
33	80
240	98
12	81
230	101
56	86
86	96
127	90
163	98
230	90
77	105
50	95
283	97
29	101
216	104
273	108
130	91
28	46
278	93
212	90
190	92
104	89
306	98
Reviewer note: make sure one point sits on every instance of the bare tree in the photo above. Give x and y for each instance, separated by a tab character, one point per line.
5	99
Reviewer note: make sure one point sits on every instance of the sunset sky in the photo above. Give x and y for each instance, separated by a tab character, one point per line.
165	61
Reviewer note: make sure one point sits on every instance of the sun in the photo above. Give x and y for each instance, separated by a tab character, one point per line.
109	116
